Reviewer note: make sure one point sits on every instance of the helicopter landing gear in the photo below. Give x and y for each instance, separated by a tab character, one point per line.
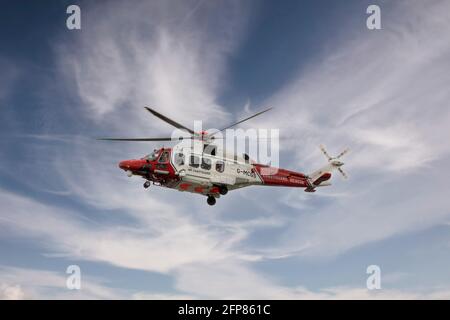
223	190
146	184
211	200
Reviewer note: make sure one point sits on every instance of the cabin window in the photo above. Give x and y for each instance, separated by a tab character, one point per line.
220	166
164	157
194	161
209	149
206	163
179	159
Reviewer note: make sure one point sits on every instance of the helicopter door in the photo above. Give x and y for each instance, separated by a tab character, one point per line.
163	161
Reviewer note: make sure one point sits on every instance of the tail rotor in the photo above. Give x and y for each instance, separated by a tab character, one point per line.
343	173
334	161
342	153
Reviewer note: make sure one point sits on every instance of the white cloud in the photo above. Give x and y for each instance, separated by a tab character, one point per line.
11	292
164	58
23	283
158	242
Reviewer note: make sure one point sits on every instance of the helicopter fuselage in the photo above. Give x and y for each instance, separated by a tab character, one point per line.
208	174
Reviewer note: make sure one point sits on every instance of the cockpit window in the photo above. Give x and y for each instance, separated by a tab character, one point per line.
152	156
164	157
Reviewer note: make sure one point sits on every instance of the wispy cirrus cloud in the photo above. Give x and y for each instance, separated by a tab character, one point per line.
168	60
160	241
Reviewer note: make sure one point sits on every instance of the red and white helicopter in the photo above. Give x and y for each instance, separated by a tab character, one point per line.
197	165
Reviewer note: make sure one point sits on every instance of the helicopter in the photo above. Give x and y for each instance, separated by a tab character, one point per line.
198	165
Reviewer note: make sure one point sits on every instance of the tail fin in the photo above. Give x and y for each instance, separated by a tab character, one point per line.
318	177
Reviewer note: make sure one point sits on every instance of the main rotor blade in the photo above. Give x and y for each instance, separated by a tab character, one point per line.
234	124
169	121
142	139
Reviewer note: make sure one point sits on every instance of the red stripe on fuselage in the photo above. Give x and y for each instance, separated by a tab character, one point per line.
280	177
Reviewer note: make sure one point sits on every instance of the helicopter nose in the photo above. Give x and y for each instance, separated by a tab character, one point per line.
125	165
131	165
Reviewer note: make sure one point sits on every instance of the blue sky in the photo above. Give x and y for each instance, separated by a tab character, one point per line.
383	93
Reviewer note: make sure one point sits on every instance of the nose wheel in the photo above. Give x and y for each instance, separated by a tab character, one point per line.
211	200
146	184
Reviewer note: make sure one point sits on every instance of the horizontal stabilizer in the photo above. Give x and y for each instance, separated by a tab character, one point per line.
324	177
